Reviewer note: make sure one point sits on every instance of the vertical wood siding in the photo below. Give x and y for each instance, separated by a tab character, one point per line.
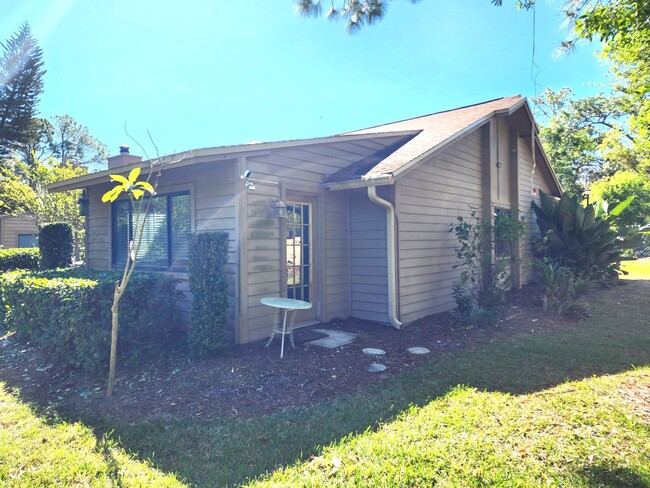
336	253
368	268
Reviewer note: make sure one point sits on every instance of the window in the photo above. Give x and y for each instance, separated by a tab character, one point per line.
165	236
502	245
27	240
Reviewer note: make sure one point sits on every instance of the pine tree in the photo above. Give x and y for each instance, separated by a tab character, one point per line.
21	83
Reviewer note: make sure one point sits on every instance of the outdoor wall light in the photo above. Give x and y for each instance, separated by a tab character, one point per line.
83	204
279	208
249	184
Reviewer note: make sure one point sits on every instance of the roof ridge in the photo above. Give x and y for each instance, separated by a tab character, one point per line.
429	115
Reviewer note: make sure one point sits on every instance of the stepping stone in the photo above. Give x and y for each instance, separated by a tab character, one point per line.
370	351
334	339
376	368
418	350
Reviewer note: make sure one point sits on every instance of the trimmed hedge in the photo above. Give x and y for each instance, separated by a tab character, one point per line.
208	255
55	243
69	312
19	258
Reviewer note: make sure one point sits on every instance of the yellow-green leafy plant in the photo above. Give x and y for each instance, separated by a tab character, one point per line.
135	190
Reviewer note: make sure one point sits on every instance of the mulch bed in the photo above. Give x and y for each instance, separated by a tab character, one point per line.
252	380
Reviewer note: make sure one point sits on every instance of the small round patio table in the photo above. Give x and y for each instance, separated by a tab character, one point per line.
287	305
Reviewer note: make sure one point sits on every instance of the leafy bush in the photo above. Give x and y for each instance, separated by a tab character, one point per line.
483	278
55	243
68	312
560	286
576	238
208	255
19	258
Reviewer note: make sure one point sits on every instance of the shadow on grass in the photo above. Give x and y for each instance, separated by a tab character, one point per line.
613	477
229	451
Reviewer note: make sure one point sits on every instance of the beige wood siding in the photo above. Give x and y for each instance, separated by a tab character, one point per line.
11	227
368	267
213	209
528	181
337	262
428	199
500	173
301	172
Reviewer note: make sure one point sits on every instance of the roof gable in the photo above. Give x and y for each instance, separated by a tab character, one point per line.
435	131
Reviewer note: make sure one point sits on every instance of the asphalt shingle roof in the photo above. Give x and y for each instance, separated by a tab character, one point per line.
434	130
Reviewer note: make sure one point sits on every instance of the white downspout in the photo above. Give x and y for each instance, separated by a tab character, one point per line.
391	240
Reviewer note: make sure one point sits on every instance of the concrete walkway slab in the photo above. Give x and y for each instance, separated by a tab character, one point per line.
334	339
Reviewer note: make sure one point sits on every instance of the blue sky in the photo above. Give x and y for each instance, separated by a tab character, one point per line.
201	73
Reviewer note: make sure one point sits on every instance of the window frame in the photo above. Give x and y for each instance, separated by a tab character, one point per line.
167	196
502	248
18	244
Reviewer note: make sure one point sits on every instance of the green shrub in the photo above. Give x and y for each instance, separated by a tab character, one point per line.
19	258
208	255
484	279
69	312
577	238
55	243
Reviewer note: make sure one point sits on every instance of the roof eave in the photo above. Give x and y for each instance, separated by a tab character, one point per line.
220	153
348	185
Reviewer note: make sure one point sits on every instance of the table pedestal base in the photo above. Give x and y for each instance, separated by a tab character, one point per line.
284	330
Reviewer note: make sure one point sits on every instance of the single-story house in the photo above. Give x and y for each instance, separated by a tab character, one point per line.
356	223
17	232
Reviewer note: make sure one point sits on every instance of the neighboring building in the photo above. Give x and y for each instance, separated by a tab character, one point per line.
15	232
367	233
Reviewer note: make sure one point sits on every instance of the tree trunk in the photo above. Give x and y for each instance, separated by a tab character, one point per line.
114	326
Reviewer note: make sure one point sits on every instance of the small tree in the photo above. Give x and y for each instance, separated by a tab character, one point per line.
134	190
484	277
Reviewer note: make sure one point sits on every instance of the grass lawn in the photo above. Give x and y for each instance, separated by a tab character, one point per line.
35	451
639	269
553	408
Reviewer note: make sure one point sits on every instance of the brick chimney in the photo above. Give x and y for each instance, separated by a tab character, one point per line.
123	159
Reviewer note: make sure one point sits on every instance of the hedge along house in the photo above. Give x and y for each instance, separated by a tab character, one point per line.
366	231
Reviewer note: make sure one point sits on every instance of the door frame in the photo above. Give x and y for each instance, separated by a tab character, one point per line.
314	199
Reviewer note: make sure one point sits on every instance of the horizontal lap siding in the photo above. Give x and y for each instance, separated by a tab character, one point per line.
428	199
212	190
368	268
11	227
528	181
300	172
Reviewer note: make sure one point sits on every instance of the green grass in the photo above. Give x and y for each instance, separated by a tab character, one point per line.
576	434
36	452
639	269
511	425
